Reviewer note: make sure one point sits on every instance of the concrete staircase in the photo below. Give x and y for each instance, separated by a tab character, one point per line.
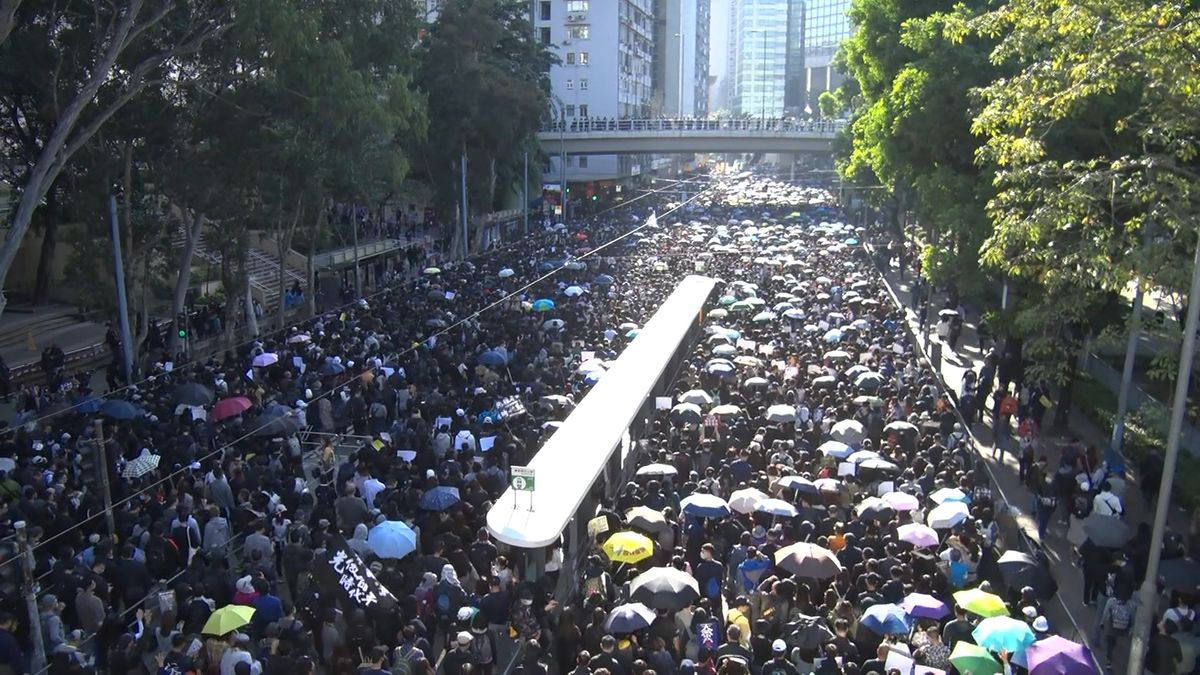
262	266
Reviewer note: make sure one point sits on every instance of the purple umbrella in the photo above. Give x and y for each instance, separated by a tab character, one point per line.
921	606
1059	656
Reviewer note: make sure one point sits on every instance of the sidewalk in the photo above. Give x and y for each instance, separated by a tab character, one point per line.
1068	616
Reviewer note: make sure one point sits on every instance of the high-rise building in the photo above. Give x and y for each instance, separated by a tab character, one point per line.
606	53
826	25
766	56
682	51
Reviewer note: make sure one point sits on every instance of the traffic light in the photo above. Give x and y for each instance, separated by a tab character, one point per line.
595	197
181	326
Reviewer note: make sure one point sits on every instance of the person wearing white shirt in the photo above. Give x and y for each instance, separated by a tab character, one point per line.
1106	503
465	440
371	486
236	654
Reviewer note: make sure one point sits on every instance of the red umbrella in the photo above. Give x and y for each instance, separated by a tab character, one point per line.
581	236
229	407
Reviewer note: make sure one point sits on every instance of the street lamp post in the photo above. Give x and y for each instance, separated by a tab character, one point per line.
763	93
679	107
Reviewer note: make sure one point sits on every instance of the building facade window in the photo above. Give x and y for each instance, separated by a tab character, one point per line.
577	5
570	58
577	32
583	162
569	110
583	83
545	10
583	111
545	35
570	84
583	58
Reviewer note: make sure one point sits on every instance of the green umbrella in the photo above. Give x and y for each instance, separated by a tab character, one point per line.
973	659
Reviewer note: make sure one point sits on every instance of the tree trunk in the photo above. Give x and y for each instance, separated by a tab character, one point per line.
183	278
1062	412
251	320
41	283
284	240
130	254
310	267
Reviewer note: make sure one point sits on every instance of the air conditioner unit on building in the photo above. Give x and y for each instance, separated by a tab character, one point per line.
575	18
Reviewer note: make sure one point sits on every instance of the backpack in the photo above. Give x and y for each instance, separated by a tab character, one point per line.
481	649
1008	405
1122	615
402	659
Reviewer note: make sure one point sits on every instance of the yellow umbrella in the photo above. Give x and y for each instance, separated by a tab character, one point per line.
628	547
227	619
980	602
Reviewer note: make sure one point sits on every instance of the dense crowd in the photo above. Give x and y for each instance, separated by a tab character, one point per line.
315	500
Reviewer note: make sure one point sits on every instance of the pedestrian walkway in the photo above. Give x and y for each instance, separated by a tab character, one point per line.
1063	559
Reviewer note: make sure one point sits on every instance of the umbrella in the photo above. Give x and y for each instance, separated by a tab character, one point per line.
268	425
686	412
998	633
948	494
746	499
1059	656
88	406
781	413
797	483
946	516
543	305
835	449
1106	531
763	317
664	588
558	401
878	464
704	505
647	519
718	313
918	535
833	335
696	396
392	539
973	659
119	409
229	407
874	508
807	632
141	465
980	602
794	314
776	507
439	498
753	382
590	366
265	359
901	427
724	350
922	606
838	355
827	485
657	470
227	619
847	431
947	313
572	291
493	358
432	270
1180	574
901	501
602	280
192	393
808	561
505	273
335	368
628	547
629	618
727	410
553	324
299	338
870	380
885	619
860	456
1019	570
720	368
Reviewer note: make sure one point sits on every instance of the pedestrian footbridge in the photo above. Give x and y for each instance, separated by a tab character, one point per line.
665	136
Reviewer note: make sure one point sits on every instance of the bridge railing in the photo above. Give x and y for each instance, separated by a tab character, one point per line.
613	125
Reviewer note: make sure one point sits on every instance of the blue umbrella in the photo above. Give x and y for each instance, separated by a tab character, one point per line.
704	505
851	241
833	335
720	368
602	280
543	305
836	449
439	498
629	618
118	409
886	619
593	377
392	539
632	333
331	368
88	406
1003	633
492	358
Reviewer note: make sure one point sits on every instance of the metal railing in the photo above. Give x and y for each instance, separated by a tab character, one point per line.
765	126
345	256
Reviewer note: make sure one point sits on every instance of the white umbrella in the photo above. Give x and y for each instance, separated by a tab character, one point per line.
573	291
781	413
299	338
657	470
505	273
947	515
847	431
141	465
776	507
697	396
265	359
746	499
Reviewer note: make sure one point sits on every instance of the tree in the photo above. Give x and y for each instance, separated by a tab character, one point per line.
485	73
79	64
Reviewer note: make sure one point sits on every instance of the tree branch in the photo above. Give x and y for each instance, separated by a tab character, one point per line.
8	17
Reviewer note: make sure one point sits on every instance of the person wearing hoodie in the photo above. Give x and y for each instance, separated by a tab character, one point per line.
216	531
358	542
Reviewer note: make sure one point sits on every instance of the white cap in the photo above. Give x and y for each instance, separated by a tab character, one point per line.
778	646
1041	625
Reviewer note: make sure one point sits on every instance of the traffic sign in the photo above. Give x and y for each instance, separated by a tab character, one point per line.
522	479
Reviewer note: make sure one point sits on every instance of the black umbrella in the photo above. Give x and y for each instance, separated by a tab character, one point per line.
192	393
1180	574
118	409
1019	570
807	632
277	425
664	588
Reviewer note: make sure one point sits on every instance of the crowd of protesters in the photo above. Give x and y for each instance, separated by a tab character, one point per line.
315	501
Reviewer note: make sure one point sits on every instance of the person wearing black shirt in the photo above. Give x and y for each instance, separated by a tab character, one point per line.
374	664
779	664
605	659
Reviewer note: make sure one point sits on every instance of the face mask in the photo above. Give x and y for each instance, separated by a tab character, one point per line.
527	602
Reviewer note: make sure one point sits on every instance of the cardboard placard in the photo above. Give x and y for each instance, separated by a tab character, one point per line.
486	443
597	525
847	469
662	402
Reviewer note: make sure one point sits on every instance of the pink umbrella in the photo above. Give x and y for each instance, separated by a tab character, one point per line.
918	535
901	501
229	407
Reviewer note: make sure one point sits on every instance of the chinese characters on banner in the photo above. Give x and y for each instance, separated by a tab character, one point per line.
341	567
